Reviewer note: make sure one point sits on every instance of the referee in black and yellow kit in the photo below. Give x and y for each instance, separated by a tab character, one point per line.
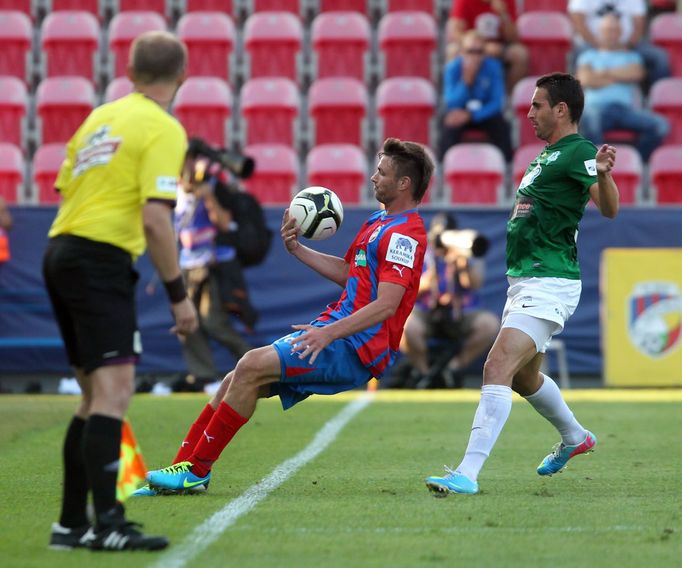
118	183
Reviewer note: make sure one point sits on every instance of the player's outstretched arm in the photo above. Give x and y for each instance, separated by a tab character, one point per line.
315	339
605	193
331	267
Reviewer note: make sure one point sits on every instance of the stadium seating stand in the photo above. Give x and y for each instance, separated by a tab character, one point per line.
46	163
549	39
210	38
474	174
273	43
11	172
269	108
62	104
203	105
407	41
665	170
70	42
406	106
340	167
340	42
276	174
13	109
338	107
16	34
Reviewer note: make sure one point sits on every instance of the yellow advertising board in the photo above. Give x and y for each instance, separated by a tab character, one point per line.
641	316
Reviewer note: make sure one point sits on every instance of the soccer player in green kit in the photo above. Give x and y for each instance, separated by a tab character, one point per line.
544	281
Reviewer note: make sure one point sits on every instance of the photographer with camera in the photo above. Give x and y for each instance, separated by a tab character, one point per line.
448	311
214	216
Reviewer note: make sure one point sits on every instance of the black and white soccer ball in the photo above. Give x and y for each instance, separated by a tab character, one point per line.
318	212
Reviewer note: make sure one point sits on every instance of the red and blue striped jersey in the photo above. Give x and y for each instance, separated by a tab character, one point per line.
388	248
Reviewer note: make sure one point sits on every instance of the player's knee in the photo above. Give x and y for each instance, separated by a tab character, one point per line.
249	368
495	370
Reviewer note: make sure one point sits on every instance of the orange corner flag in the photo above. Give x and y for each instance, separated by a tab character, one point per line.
131	470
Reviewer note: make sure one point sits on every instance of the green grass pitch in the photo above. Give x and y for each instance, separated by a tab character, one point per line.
362	502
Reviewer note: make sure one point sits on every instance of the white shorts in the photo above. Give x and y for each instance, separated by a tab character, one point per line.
550	300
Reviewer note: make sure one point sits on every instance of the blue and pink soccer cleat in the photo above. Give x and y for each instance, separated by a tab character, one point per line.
451	482
556	461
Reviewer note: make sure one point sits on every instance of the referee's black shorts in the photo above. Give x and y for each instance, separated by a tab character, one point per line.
92	289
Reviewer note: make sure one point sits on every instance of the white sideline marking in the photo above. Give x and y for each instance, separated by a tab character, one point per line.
209	531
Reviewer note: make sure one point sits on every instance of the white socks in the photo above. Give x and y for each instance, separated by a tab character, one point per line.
491	415
550	404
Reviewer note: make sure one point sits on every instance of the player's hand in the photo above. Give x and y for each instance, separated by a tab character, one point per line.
185	316
290	232
310	343
606	158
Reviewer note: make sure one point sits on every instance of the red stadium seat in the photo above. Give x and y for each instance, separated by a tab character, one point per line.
291	6
406	106
338	107
62	104
521	96
341	41
343	6
549	39
273	42
70	42
665	98
665	170
340	167
224	6
16	33
522	159
407	41
24	6
474	173
123	29
665	31
13	106
411	5
276	174
118	88
210	38
46	163
11	172
270	107
158	6
203	106
547	5
628	174
91	6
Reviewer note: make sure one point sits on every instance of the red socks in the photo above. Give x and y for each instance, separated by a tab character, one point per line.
225	423
194	434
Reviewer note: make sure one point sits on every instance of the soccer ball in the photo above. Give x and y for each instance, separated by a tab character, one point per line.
318	212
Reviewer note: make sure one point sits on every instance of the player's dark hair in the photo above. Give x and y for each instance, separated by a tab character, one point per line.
411	160
157	56
564	88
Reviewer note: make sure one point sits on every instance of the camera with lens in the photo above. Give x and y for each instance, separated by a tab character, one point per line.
444	234
204	161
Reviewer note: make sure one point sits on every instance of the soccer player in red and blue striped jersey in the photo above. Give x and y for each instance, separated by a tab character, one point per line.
353	340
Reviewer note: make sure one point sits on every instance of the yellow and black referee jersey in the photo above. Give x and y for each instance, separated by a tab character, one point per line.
125	153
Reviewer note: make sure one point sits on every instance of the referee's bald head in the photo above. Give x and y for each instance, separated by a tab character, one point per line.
155	57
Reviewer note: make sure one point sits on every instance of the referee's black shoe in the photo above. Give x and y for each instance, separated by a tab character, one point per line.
65	538
114	533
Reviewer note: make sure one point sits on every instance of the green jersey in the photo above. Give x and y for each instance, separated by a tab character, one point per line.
550	201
